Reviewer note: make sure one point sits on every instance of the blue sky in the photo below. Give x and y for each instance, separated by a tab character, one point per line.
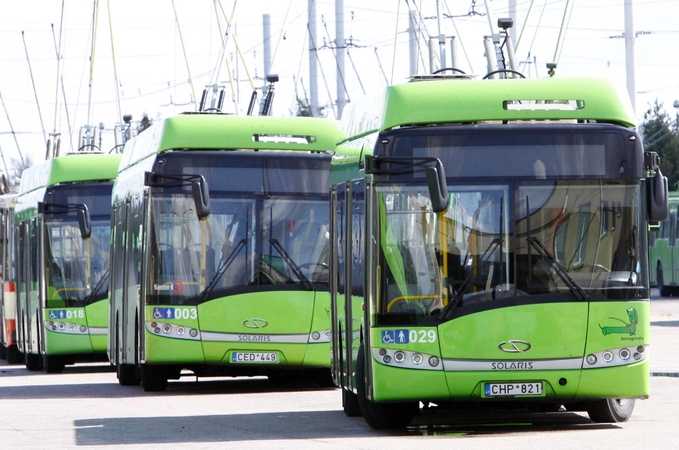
154	61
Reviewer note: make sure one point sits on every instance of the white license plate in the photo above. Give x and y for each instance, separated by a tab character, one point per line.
513	389
254	357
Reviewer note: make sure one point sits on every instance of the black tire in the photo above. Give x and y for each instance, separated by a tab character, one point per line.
3	351
350	404
664	290
381	415
127	375
14	356
33	362
53	363
610	410
153	378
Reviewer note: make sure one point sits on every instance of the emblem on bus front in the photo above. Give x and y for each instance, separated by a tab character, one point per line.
514	346
255	323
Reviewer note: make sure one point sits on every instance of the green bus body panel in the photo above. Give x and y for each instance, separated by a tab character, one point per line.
610	325
663	251
555	330
94	317
226	132
71	168
455	101
286	313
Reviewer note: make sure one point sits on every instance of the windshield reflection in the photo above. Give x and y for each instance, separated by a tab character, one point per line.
503	243
245	244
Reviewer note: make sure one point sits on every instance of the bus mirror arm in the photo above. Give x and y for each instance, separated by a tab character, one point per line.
438	188
657	201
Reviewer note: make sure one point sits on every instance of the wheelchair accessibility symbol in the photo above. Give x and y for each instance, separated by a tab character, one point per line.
395	336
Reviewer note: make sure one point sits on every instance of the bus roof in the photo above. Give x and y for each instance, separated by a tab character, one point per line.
70	168
229	132
469	101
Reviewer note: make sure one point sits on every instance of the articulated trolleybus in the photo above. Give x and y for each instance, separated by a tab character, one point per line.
493	252
62	222
220	249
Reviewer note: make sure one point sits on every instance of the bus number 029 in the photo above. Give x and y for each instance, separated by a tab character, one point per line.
422	336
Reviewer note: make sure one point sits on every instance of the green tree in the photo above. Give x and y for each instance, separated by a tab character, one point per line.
660	135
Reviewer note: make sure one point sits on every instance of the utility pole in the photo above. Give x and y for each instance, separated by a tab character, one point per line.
340	45
630	37
313	60
266	27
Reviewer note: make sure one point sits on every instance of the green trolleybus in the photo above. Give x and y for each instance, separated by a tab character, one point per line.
62	222
220	247
664	253
490	250
8	347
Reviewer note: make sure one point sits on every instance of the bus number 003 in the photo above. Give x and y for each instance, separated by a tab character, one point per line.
422	336
185	313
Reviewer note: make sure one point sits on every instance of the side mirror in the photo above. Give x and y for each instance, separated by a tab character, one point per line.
657	201
201	198
438	188
84	221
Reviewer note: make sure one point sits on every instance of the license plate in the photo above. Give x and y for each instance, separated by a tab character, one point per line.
513	389
254	357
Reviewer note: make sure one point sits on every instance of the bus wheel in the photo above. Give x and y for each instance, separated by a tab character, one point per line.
33	362
53	364
153	378
14	356
127	375
662	289
610	410
381	415
350	404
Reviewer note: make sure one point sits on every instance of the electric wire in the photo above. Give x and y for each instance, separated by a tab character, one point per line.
35	92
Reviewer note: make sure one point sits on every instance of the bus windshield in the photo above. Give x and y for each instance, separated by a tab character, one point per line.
267	230
506	244
77	269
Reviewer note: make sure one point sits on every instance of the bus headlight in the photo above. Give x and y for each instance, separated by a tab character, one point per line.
607	356
399	356
591	360
417	359
624	354
434	361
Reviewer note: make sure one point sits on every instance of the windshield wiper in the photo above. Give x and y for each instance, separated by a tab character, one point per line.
293	266
221	270
97	287
560	270
457	296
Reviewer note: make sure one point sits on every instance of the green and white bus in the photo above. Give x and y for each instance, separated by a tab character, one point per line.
663	251
62	222
219	250
490	250
8	346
